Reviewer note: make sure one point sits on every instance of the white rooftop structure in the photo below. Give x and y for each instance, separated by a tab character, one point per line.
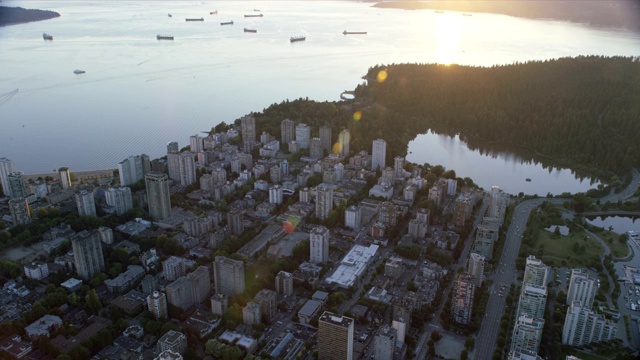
352	265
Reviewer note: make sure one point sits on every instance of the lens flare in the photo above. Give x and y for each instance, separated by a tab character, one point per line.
337	148
382	76
290	224
357	116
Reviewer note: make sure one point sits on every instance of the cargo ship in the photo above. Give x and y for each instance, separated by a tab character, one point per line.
169	15
47	36
250	30
254	15
78	72
164	37
227	23
194	19
354	32
298	38
213	12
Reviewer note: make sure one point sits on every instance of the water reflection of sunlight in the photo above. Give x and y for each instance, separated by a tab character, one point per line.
448	33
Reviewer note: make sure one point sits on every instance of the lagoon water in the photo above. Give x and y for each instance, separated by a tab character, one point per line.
139	93
618	224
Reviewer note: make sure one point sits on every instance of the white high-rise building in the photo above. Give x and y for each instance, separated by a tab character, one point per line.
303	135
65	177
535	272
315	151
583	326
173	148
527	334
6	167
533	300
582	287
173	166
324	201
157	305
353	217
384	343
133	169
476	268
378	154
319	245
85	203
187	169
16	187
275	194
120	198
196	143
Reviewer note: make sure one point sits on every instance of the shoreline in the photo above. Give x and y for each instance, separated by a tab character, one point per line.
18	15
86	174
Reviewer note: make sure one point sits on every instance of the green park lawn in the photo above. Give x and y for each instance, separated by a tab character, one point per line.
618	249
574	250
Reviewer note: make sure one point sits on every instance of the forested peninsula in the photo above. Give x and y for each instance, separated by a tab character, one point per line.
623	14
582	113
18	15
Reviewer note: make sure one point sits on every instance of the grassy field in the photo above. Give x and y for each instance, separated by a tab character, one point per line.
574	250
618	249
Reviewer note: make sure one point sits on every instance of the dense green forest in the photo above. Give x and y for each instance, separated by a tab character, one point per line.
18	15
582	113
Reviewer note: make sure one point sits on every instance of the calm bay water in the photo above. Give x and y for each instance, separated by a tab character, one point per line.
504	169
619	224
139	93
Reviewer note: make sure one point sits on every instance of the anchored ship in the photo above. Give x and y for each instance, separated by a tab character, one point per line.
250	30
213	12
354	32
194	19
252	15
47	36
164	37
227	23
298	38
78	71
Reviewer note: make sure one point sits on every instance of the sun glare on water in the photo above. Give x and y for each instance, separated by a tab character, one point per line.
448	35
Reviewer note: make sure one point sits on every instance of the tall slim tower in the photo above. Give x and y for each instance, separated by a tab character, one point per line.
65	177
15	185
335	337
319	245
344	138
187	169
378	154
248	128
85	203
173	148
315	148
303	135
120	198
228	276
157	304
324	201
462	300
158	196
287	129
398	166
325	138
476	268
87	254
582	287
20	212
6	167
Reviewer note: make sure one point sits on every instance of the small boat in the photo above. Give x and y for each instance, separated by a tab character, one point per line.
297	38
164	37
169	15
213	12
527	180
252	15
354	32
250	30
194	19
78	71
47	36
227	23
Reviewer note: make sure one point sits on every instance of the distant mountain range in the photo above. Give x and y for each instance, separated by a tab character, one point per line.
18	15
624	14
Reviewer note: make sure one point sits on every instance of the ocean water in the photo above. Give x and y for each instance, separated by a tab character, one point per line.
139	93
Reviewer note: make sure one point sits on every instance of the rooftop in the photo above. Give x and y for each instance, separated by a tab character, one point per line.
352	265
335	319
